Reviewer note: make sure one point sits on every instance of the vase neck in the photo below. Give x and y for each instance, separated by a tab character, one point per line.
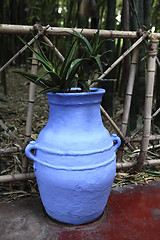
75	111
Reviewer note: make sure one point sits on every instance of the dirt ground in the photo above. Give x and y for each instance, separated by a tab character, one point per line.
13	113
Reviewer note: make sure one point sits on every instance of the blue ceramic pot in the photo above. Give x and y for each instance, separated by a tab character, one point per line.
74	158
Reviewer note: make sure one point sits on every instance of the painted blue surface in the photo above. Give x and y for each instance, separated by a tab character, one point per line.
74	158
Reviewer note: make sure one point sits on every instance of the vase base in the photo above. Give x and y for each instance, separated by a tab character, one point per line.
74	220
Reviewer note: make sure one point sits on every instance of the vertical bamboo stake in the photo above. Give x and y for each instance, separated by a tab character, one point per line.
148	103
30	111
128	98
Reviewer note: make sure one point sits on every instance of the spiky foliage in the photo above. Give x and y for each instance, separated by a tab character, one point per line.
71	73
93	49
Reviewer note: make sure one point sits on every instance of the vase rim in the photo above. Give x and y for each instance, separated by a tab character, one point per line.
92	91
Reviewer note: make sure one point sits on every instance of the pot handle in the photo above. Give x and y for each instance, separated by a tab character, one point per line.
117	140
31	146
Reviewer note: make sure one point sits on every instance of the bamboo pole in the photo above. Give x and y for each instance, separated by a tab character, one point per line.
31	175
59	31
106	115
123	166
11	150
128	98
31	100
129	90
50	44
17	177
156	112
151	138
12	135
148	103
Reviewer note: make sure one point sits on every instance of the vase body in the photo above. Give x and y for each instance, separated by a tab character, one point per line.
74	158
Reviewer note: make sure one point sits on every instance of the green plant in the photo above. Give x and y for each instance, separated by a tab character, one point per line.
72	72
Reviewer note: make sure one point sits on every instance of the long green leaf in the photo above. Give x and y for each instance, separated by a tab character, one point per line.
75	68
40	57
84	40
54	81
46	65
98	61
95	42
30	77
68	59
51	89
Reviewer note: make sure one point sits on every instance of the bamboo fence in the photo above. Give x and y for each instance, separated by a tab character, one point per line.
44	32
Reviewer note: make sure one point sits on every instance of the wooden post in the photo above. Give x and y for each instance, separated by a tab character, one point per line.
148	103
128	98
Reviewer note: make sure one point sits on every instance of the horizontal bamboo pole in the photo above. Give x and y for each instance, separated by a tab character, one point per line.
123	166
59	31
17	177
31	175
11	150
151	138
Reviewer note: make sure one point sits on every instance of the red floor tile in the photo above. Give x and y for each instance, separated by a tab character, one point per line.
132	213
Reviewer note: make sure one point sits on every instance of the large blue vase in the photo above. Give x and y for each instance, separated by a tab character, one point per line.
74	158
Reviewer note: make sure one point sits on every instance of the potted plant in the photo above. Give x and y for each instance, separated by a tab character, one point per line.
74	155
